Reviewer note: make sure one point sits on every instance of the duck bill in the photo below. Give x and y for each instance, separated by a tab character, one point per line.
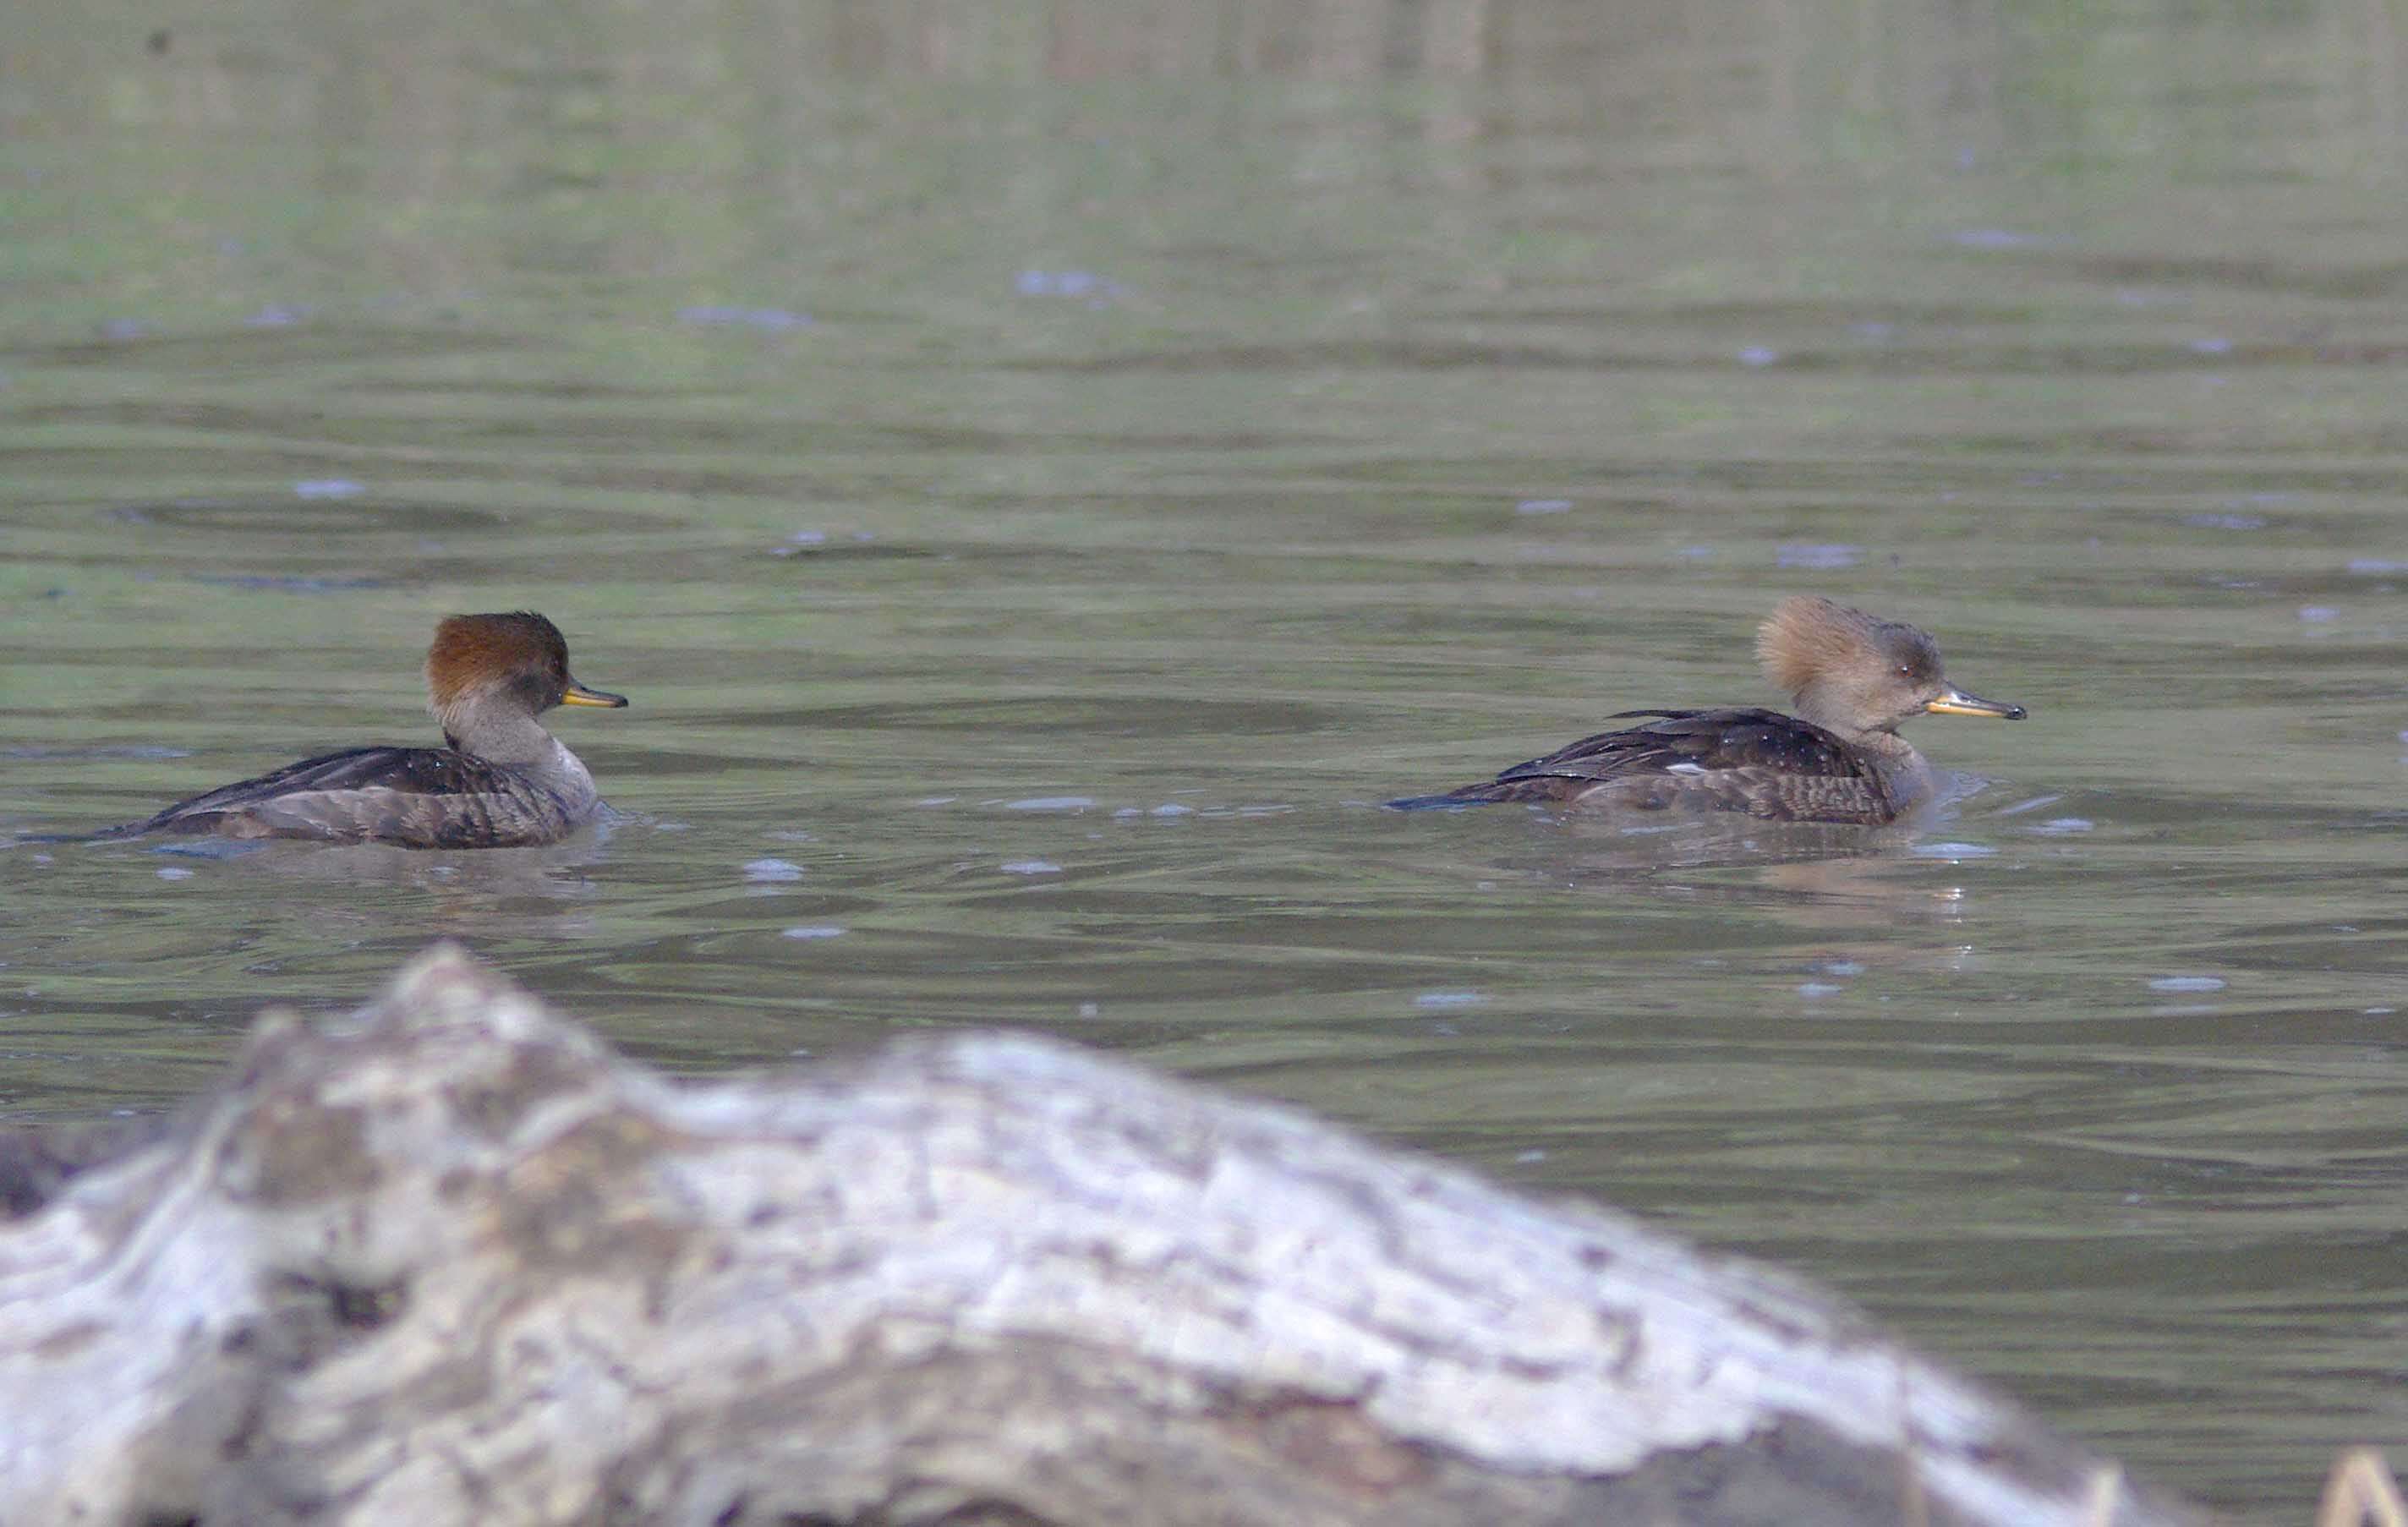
1952	701
577	694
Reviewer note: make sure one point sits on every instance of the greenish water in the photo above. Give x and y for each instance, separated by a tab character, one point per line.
1229	417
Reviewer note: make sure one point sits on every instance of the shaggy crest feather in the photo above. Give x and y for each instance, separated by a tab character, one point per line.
1807	635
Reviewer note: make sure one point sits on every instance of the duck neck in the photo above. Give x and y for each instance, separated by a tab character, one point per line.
1904	773
495	728
1888	746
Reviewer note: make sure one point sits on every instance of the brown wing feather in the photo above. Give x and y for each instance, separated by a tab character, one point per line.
1758	762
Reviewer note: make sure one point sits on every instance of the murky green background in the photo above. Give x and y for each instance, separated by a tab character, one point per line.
1230	414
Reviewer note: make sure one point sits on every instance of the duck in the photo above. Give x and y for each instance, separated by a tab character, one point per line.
499	780
1853	680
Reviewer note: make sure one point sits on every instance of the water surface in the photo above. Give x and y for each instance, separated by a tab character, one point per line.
1044	477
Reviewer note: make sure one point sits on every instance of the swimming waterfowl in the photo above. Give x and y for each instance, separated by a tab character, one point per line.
499	780
1855	680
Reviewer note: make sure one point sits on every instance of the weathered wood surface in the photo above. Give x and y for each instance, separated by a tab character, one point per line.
454	1262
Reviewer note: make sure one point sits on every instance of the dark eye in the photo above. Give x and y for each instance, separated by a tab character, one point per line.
1906	670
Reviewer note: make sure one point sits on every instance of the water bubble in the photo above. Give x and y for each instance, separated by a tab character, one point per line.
1051	802
824	930
1450	999
1065	284
2032	805
1031	866
765	871
2064	826
2187	983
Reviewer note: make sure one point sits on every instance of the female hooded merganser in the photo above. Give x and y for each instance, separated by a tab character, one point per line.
1855	678
500	781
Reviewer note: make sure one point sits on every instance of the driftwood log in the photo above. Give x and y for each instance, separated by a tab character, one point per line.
454	1261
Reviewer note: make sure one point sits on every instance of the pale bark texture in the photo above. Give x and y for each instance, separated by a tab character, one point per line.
452	1262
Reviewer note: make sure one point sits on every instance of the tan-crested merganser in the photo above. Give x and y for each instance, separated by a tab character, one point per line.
1855	678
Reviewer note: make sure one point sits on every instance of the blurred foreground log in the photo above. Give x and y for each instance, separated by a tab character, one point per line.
454	1262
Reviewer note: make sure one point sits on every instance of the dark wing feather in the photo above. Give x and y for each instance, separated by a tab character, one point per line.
1759	762
1712	740
400	796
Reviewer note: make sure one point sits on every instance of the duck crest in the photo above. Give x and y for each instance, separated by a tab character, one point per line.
1807	637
